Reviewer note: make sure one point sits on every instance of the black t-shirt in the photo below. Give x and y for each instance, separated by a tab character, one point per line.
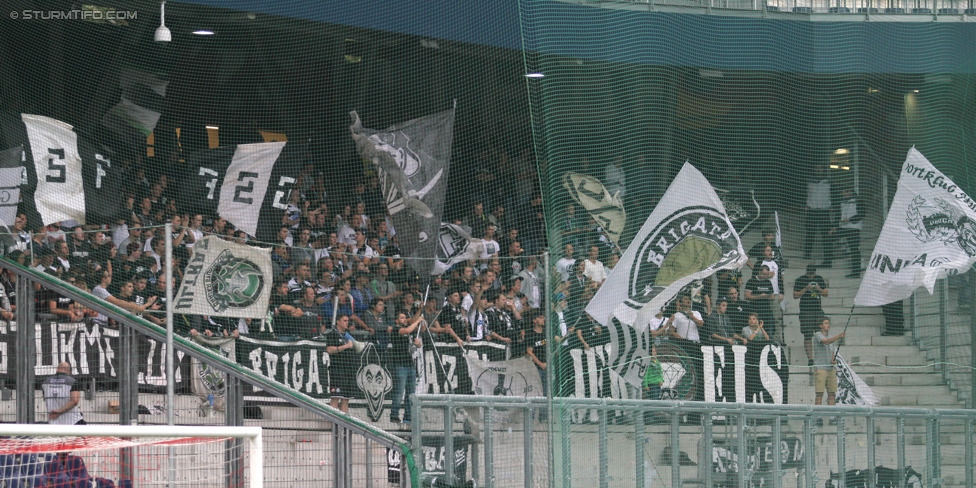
399	353
502	323
537	341
343	362
759	287
810	300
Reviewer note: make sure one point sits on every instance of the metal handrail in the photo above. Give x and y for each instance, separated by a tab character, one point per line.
739	417
222	364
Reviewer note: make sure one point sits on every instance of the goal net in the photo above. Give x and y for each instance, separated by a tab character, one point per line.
125	456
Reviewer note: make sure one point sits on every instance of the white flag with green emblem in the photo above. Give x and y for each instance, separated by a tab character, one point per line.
687	237
225	279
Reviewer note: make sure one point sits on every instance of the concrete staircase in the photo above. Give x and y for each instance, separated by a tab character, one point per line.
897	370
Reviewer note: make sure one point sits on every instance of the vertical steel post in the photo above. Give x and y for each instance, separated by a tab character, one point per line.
128	394
809	453
742	449
675	453
900	442
489	432
369	463
26	351
709	440
603	447
872	462
416	440
777	457
527	444
234	416
449	441
565	428
930	453
842	451
969	453
640	439
937	449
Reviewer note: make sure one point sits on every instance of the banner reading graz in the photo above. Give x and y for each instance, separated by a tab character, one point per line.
92	350
305	366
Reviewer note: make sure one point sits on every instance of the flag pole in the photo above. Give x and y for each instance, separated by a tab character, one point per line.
848	324
170	387
433	344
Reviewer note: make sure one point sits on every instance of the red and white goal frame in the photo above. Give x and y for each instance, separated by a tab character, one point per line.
45	439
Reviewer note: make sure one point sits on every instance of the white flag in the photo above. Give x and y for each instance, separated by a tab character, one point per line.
225	279
246	183
930	231
514	377
60	191
687	237
11	171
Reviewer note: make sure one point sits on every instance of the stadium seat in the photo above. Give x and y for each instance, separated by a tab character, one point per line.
839	10
948	11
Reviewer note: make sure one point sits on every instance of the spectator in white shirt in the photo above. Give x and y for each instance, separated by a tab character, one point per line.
593	268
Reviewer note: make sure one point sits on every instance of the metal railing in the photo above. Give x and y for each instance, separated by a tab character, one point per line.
838	7
943	326
352	440
661	443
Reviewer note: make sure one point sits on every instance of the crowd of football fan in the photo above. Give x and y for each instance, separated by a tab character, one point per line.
337	265
334	256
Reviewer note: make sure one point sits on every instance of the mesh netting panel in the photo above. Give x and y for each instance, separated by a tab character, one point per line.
578	168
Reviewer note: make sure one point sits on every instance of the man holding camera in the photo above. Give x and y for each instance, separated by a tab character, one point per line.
810	289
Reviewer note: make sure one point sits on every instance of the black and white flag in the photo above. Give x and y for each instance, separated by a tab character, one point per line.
606	209
930	232
851	389
225	279
11	174
140	107
412	160
741	207
687	237
64	176
455	246
247	184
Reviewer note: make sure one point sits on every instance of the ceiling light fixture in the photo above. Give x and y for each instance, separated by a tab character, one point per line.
203	32
162	32
535	75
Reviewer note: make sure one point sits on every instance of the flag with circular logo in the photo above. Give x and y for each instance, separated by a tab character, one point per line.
225	279
687	237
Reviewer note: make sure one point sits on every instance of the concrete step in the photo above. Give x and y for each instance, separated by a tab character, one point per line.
884	355
878	340
909	380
